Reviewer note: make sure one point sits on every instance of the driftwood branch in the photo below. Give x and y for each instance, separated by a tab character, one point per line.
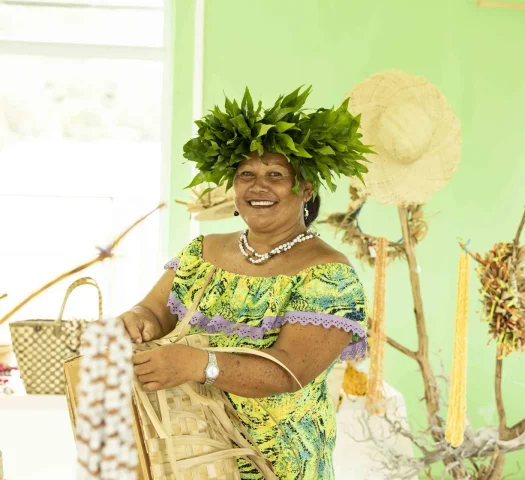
431	395
518	232
103	254
505	432
474	256
401	348
422	354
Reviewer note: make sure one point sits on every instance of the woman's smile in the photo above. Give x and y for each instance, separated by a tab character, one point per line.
262	204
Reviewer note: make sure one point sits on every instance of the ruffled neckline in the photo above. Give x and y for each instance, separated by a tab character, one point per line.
301	273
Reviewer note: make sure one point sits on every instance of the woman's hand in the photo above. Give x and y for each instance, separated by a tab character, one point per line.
169	366
141	324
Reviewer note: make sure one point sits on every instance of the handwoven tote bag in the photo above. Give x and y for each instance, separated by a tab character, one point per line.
190	431
42	346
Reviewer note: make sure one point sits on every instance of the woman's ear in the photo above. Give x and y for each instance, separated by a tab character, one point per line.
308	191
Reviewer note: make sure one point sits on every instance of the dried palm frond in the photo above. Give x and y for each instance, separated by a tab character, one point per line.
502	276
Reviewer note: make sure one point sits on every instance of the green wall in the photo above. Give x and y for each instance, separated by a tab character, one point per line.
475	56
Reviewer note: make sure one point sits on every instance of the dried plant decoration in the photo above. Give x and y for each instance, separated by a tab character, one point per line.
366	244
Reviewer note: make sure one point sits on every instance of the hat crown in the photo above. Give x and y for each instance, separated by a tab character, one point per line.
405	132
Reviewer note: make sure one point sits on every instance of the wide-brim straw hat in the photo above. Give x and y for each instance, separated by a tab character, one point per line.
215	205
416	134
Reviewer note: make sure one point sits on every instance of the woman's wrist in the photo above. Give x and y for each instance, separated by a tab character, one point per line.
196	361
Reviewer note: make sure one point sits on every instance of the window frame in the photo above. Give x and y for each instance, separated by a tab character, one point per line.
163	55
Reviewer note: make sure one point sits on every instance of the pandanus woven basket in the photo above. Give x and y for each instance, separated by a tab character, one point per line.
191	432
42	346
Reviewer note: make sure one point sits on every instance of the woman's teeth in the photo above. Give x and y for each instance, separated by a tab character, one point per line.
262	204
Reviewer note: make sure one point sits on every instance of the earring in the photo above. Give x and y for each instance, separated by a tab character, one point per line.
236	213
306	212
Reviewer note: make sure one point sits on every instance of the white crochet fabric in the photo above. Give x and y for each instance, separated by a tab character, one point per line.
105	441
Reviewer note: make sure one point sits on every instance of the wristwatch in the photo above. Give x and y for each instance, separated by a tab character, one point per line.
212	370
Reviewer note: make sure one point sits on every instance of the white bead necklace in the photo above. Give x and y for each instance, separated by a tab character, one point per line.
257	258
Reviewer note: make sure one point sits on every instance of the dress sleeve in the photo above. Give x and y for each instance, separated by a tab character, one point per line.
191	253
332	295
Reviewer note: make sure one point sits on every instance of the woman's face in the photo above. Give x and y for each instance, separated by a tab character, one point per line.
269	179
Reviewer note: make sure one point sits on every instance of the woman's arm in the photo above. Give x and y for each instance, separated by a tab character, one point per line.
306	350
151	317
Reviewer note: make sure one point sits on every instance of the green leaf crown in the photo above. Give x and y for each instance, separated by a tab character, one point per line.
319	145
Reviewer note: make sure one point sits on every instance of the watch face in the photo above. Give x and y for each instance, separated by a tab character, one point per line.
212	371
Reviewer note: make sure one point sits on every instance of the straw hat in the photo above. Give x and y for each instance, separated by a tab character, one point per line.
215	205
416	135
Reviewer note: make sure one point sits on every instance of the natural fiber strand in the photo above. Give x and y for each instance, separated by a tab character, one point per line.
375	394
456	420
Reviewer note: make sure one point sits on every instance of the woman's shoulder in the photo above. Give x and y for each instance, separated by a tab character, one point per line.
324	255
217	245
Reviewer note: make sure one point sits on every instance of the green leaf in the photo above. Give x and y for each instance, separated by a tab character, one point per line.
212	151
256	146
287	141
247	103
326	150
241	126
197	180
283	126
205	191
290	98
302	98
301	152
280	113
230	182
295	189
229	107
261	129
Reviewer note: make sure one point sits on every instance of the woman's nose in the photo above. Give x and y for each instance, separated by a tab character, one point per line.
260	183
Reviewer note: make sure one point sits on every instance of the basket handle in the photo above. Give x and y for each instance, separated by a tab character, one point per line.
75	284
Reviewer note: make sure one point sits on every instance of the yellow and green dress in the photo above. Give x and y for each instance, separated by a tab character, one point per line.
249	312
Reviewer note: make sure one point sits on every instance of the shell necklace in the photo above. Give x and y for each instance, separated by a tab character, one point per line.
257	258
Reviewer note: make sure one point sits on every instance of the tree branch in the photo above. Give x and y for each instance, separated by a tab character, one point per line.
516	430
518	233
475	257
502	417
401	348
104	253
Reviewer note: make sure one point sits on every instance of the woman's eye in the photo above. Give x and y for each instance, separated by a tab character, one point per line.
276	174
246	174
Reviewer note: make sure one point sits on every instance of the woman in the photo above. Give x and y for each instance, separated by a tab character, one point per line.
302	303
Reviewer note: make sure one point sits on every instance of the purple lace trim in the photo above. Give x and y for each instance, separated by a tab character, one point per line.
220	324
173	264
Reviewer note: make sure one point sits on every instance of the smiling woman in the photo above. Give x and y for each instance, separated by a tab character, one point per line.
275	287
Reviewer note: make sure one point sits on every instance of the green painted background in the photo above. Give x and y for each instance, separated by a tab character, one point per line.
476	56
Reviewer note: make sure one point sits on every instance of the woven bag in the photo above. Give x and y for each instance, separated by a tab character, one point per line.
42	346
190	431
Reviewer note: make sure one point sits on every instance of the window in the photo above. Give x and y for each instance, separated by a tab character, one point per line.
81	95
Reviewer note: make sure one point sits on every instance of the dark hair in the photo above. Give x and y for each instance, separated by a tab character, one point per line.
313	210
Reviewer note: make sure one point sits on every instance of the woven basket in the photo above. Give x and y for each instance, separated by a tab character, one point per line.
42	346
191	431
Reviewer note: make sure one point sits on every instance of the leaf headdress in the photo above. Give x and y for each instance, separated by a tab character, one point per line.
319	145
